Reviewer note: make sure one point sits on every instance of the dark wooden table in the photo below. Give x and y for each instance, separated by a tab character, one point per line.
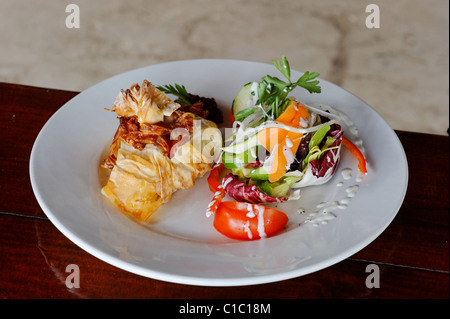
412	253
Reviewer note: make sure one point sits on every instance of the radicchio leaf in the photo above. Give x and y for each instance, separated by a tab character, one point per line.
247	193
327	163
320	171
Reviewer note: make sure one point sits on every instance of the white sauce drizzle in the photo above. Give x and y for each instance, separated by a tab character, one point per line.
288	155
317	218
261	228
247	230
325	210
259	214
250	213
217	195
242	132
360	176
289	142
351	126
226	182
269	161
352	190
347	173
303	122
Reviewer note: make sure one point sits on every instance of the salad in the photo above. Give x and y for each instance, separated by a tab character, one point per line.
278	145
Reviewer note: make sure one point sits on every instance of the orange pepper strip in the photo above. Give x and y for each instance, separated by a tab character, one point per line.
269	137
357	153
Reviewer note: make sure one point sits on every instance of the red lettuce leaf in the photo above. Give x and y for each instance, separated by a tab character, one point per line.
247	193
330	159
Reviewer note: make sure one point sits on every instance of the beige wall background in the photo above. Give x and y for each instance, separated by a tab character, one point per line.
401	69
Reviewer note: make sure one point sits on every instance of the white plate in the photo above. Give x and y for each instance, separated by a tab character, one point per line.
180	244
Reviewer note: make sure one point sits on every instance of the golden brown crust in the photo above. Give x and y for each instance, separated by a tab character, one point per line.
146	102
148	162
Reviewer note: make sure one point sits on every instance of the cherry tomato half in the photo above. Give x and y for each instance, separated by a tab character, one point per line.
245	221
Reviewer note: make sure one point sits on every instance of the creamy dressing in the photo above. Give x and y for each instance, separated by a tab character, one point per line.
259	214
250	213
352	190
303	122
261	227
326	210
347	173
294	195
317	218
289	142
351	126
322	204
360	176
310	179
247	230
294	129
267	166
226	182
217	197
242	132
289	156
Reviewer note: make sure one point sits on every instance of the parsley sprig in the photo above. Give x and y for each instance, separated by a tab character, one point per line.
178	90
272	92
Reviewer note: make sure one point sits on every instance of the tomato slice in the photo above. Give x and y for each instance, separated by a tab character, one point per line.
245	221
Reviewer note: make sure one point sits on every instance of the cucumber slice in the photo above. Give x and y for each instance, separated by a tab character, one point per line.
259	174
231	160
242	146
244	99
317	138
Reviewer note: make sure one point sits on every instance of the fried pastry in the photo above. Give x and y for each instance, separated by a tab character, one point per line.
157	150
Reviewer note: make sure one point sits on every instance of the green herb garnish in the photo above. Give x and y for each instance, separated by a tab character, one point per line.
244	113
272	91
177	90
